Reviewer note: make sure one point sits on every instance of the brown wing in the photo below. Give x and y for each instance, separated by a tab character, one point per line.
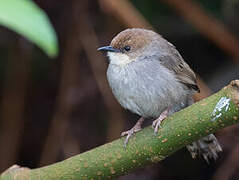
174	62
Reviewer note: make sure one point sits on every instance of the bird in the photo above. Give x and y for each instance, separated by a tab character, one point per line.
149	77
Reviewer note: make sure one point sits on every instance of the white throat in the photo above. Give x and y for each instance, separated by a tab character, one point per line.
119	59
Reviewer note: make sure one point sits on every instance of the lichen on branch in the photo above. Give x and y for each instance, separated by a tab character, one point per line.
111	160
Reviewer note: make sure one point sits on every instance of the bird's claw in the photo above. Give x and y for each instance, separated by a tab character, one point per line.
157	123
129	133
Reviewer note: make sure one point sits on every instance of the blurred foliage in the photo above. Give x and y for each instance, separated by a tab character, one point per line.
25	18
152	9
159	14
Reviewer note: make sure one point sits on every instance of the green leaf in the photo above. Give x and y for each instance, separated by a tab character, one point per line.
27	19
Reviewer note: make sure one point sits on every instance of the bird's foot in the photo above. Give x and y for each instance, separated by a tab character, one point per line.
157	123
129	133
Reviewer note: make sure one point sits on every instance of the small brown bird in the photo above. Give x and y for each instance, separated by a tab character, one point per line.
149	77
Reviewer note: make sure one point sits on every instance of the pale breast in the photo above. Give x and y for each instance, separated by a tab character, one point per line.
146	88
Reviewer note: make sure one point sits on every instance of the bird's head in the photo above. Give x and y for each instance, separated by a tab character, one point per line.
129	45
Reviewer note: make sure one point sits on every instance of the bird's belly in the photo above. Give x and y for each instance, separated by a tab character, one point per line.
147	94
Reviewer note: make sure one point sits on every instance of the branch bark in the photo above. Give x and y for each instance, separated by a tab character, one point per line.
111	160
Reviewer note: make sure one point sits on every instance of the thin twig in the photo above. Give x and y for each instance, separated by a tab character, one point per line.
13	103
64	104
98	64
208	25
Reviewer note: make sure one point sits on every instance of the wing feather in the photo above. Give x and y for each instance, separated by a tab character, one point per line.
174	62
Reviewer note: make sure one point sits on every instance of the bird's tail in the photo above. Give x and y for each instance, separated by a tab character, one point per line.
208	147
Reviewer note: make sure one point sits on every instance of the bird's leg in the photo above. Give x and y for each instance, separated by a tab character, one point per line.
129	133
156	123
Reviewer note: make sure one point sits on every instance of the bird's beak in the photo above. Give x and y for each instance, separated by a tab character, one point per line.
108	49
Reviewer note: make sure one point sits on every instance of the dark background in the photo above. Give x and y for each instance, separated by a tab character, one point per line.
52	109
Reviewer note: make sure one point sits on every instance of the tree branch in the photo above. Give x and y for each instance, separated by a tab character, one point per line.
111	160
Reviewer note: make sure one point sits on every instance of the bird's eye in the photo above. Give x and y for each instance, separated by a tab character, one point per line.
127	48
